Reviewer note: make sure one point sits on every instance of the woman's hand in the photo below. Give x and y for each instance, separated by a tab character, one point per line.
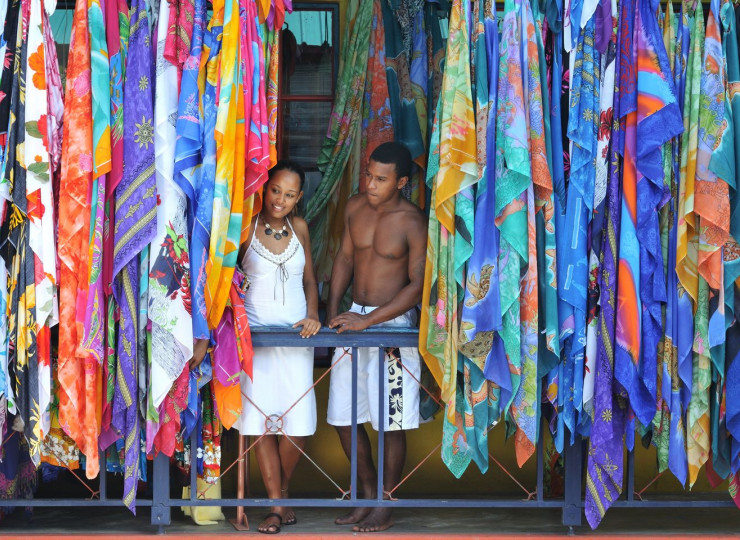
310	326
200	348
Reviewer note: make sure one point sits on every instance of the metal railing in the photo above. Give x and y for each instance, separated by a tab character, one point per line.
571	503
380	338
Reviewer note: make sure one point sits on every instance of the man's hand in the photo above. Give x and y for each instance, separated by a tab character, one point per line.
310	326
349	321
200	348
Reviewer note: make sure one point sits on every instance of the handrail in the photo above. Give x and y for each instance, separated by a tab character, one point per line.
281	336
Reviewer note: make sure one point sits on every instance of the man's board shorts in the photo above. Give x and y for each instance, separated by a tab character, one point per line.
401	395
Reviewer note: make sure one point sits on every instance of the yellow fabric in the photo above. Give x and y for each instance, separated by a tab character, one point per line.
204	515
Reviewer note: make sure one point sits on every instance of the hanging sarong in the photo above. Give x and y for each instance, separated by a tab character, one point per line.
725	163
604	474
78	378
479	340
135	226
449	243
169	271
41	230
582	132
187	168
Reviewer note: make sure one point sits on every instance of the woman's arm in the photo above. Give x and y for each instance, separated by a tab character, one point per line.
311	323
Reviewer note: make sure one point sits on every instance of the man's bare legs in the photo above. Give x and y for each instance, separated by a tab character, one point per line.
373	519
366	474
379	518
277	461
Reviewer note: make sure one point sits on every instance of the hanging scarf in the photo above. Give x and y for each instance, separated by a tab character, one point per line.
479	340
546	221
606	118
41	216
117	40
177	34
187	167
93	338
449	223
136	209
78	379
398	35
169	271
582	132
696	363
712	205
725	163
377	125
343	123
604	473
228	199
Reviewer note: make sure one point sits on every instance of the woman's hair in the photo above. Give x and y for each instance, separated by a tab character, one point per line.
290	166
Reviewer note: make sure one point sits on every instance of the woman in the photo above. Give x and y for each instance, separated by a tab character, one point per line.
280	400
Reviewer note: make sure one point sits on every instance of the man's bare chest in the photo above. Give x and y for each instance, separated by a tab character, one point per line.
377	239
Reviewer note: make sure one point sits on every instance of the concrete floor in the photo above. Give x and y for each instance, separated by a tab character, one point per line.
317	523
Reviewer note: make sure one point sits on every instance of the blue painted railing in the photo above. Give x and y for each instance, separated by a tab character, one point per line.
373	337
571	503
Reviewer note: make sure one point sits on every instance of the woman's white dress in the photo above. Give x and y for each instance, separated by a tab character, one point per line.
281	375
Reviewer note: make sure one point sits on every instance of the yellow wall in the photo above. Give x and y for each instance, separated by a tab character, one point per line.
432	479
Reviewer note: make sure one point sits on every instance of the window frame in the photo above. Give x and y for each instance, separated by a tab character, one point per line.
283	98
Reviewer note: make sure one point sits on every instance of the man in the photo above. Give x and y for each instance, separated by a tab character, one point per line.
382	253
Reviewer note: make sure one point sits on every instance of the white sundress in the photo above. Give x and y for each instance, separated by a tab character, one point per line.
281	375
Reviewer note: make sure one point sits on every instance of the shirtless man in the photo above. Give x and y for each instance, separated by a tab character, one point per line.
382	253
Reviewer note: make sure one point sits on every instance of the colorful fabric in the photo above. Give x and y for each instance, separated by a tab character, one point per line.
228	202
344	124
42	240
78	379
604	473
658	121
725	162
687	243
479	340
574	270
169	270
188	173
449	244
135	227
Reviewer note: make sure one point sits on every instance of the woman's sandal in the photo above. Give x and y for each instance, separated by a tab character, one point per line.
272	528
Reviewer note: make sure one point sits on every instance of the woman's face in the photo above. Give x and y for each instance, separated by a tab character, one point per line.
282	193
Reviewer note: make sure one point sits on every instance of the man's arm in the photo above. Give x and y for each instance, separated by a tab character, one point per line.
408	297
342	269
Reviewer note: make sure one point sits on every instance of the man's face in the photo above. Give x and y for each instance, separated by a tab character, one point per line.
382	182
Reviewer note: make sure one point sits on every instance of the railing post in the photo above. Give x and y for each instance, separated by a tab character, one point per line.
161	492
353	457
382	374
572	511
631	476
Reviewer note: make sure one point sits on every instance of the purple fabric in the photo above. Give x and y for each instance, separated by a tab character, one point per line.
226	366
135	227
604	473
603	25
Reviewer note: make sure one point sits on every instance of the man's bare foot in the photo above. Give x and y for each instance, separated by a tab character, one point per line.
379	519
355	516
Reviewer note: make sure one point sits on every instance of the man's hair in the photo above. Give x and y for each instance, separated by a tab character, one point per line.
395	153
290	166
